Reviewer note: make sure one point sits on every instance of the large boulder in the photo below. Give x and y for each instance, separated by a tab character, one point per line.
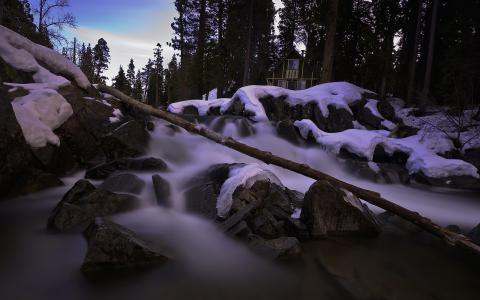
329	211
83	202
102	171
112	247
123	183
338	119
129	140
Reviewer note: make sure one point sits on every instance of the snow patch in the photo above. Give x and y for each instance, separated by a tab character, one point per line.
201	105
22	54
117	115
243	175
40	112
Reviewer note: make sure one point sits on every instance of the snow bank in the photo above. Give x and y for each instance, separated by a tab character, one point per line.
243	175
202	105
40	112
337	94
24	55
422	152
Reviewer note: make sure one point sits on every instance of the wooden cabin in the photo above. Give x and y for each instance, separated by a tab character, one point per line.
294	73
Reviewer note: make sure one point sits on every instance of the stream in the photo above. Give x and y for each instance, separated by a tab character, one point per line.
37	264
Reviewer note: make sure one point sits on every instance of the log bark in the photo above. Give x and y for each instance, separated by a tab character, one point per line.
451	238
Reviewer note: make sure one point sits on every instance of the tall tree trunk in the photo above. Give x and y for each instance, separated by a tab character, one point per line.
199	62
248	52
40	15
221	49
431	48
2	8
329	50
182	91
388	49
412	69
74	56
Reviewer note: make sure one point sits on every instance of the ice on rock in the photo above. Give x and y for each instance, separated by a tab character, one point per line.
243	175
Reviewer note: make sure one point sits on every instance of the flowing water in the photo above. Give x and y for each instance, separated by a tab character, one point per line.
36	264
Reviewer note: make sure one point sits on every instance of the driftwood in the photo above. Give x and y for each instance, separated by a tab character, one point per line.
451	238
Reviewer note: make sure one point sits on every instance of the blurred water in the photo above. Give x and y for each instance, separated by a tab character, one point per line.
36	264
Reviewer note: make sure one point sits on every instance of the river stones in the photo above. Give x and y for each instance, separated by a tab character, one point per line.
329	211
162	190
112	247
129	140
123	183
126	164
83	202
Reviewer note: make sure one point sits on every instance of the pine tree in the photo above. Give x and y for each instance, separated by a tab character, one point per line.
101	60
120	82
137	91
157	80
131	74
171	83
87	64
289	26
146	74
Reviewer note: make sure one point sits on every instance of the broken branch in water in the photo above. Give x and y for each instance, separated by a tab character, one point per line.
451	238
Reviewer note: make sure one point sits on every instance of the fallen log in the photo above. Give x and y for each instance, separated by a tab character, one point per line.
451	238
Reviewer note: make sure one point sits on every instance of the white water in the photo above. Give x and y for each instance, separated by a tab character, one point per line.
37	264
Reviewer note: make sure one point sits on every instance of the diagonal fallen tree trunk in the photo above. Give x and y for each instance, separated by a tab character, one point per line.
451	238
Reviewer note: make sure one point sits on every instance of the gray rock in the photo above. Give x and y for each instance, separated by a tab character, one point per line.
129	140
126	164
83	202
282	248
123	183
162	190
338	119
368	119
112	247
328	210
474	234
287	131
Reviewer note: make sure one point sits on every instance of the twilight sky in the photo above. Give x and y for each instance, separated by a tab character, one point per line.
131	28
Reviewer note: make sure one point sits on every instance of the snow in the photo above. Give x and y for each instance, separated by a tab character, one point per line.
24	55
374	167
40	112
242	175
422	151
372	106
202	105
212	95
117	114
296	213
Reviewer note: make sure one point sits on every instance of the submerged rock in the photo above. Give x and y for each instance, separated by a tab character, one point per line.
126	164
83	202
162	190
123	183
113	247
328	210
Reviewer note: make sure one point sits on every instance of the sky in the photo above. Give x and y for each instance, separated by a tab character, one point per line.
131	28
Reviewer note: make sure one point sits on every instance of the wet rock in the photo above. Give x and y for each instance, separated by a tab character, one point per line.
162	190
282	248
113	247
129	140
33	180
126	164
459	182
339	119
474	234
15	155
123	183
328	210
203	190
287	131
83	202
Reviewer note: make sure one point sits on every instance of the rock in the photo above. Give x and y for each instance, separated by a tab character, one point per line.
287	131
112	247
474	234
459	182
162	190
403	131
275	108
381	156
57	159
129	140
33	180
190	110
83	202
338	119
473	156
386	110
126	164
454	228
281	248
150	126
15	154
203	190
123	183
328	210
368	119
